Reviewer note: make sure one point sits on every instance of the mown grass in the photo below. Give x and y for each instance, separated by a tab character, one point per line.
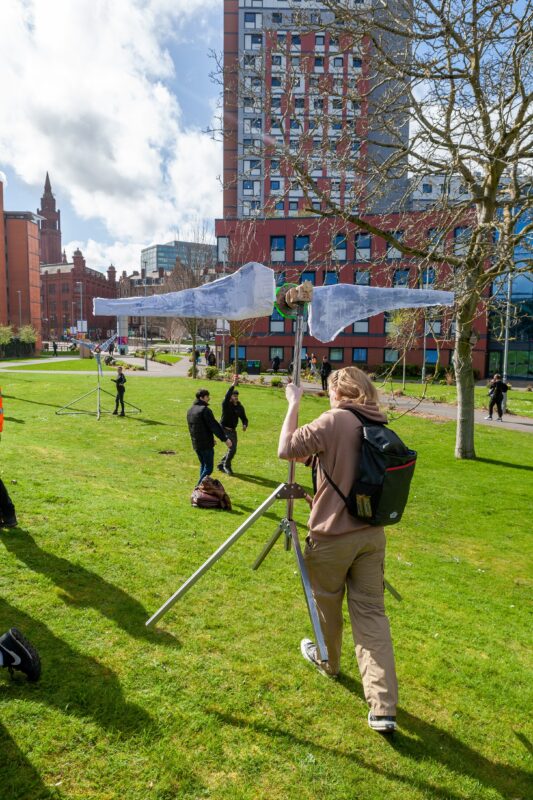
75	364
216	701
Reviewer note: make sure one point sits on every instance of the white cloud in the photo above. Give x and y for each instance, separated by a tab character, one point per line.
84	94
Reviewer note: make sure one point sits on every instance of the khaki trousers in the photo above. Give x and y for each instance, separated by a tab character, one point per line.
354	562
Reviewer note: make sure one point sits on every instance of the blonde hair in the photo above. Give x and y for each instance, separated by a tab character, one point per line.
353	384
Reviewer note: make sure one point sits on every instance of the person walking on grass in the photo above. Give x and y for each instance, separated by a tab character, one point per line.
54	347
344	555
497	391
120	382
232	412
203	428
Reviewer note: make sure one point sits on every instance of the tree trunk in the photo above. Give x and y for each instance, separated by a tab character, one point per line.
464	376
194	368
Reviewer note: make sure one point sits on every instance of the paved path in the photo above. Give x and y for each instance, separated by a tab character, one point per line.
412	405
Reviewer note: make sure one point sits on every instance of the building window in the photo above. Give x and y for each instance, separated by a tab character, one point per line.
427	188
320	40
338	61
361	326
308	276
390	356
359	355
387	321
330	278
277	248
362	247
319	63
280	205
276	352
277	322
223	248
431	356
277	18
400	277
293	205
301	248
336	354
276	82
361	277
299	103
427	278
340	247
393	254
461	239
357	62
276	61
241	351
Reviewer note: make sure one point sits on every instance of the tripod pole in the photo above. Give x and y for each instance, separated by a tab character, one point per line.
215	556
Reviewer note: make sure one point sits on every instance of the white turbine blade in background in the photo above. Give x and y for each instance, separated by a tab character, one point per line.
248	292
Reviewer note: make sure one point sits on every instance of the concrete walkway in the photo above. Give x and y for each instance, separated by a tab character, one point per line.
398	405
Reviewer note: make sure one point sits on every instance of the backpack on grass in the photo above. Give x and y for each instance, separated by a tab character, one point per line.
386	465
210	494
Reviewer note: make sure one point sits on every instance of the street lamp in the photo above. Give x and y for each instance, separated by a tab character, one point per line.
20	308
145	327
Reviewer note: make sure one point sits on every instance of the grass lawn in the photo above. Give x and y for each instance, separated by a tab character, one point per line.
77	364
170	358
518	402
217	702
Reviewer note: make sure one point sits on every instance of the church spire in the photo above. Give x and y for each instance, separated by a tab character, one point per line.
47	185
49	226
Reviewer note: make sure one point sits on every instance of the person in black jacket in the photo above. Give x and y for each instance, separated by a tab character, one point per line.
120	380
203	428
232	412
497	390
325	372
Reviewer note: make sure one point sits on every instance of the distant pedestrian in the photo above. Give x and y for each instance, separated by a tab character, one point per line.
203	428
314	364
276	361
54	347
212	359
197	356
325	372
497	391
120	381
111	348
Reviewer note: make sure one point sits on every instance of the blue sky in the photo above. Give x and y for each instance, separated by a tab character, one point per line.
112	99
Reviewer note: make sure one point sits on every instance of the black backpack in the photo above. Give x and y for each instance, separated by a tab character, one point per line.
380	490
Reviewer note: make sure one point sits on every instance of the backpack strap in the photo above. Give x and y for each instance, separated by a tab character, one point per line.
364	421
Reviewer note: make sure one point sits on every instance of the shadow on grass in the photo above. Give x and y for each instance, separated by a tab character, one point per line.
257	479
33	402
13	419
84	588
73	683
19	777
504	464
429	743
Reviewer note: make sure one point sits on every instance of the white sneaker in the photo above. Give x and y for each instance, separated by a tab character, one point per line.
381	724
310	652
487	417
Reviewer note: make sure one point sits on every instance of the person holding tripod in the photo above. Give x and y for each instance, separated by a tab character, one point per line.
344	555
497	391
120	382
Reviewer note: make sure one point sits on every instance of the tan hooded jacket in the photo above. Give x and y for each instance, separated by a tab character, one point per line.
335	436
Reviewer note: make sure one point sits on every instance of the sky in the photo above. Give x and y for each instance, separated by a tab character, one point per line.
113	100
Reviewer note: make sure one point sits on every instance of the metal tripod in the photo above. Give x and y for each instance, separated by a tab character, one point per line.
68	409
288	491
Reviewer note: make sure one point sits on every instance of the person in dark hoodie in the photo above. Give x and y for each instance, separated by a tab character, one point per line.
345	555
232	412
203	428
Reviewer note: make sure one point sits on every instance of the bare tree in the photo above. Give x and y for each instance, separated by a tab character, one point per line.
433	93
240	329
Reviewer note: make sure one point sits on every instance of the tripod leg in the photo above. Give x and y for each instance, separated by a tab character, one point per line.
268	547
215	556
306	583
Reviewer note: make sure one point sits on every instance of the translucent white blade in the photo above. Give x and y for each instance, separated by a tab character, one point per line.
335	307
248	292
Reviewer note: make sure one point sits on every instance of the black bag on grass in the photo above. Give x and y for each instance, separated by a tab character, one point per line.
386	465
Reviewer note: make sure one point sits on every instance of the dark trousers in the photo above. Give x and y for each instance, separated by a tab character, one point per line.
7	509
324	382
496	401
207	461
120	399
226	460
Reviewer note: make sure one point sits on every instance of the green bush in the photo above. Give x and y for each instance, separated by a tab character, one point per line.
276	382
211	373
